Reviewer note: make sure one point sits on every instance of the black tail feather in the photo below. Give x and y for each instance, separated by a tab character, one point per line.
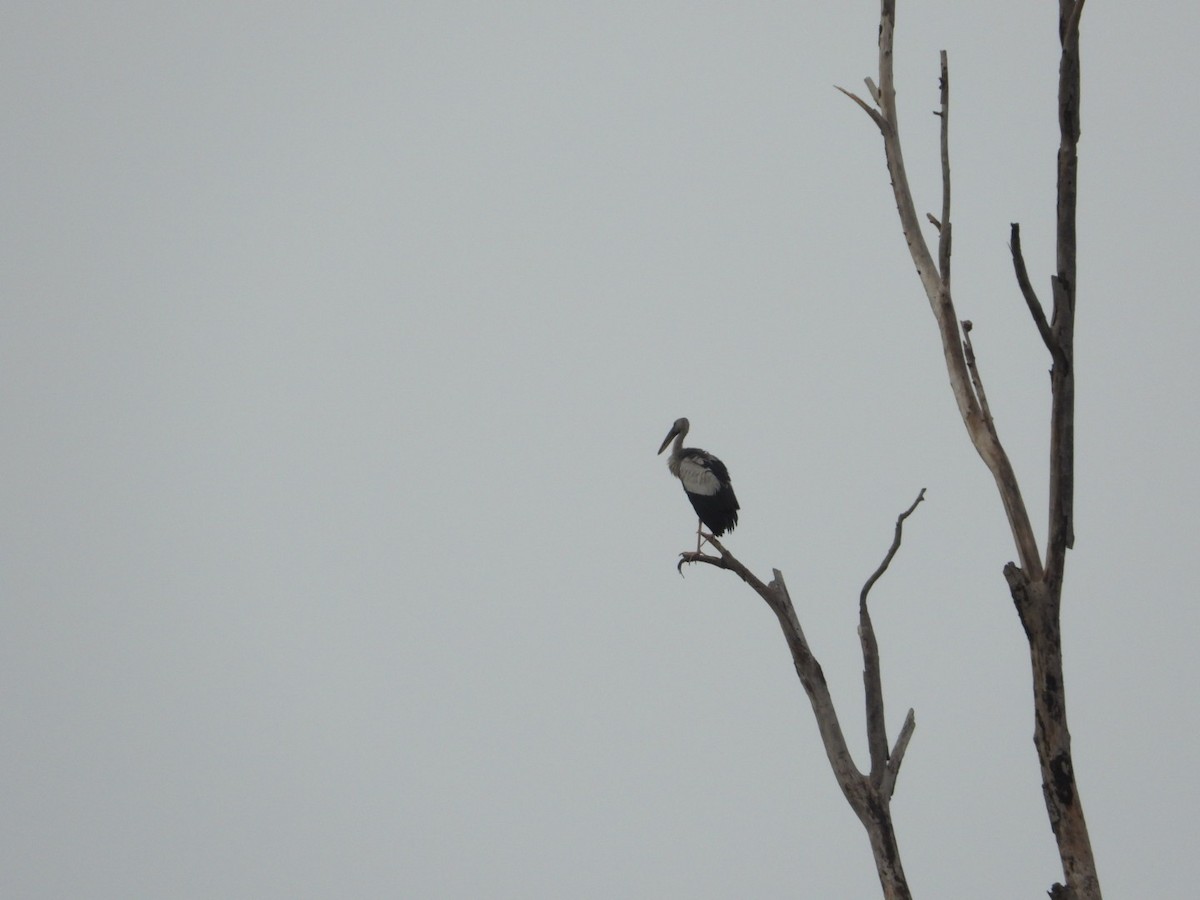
719	511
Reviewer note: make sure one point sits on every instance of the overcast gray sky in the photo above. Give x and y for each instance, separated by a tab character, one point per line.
337	342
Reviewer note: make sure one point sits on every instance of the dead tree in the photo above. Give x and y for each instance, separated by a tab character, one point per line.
869	794
1034	581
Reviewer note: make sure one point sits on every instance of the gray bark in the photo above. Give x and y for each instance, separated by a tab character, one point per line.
1036	587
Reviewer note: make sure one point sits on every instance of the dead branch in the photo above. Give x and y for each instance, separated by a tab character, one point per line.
872	676
1027	291
887	560
1062	411
944	230
868	795
976	379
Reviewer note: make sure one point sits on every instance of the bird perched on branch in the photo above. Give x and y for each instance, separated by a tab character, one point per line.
706	482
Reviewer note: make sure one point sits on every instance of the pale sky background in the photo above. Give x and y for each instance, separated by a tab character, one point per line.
337	343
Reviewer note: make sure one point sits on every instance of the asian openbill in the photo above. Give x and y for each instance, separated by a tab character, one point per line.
705	481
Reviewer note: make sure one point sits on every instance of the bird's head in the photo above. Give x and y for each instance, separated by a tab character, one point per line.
680	427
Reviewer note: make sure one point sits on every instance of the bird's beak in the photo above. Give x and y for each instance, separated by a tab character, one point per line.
670	434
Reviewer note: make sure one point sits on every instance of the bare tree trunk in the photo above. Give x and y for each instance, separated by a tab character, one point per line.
1036	588
878	823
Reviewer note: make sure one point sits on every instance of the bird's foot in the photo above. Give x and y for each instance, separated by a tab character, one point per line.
687	556
694	556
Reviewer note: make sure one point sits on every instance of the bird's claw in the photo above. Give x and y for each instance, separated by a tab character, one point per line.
691	556
688	556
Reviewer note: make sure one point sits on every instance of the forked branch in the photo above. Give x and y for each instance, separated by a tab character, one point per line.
869	795
935	278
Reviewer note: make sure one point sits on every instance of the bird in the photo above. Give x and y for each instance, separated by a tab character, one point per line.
706	482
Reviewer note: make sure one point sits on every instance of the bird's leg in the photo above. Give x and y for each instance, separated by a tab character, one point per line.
699	525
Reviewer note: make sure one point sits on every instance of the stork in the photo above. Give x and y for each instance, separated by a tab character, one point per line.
706	482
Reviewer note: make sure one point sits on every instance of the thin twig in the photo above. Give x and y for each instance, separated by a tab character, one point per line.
1027	291
887	785
976	380
866	107
945	230
887	560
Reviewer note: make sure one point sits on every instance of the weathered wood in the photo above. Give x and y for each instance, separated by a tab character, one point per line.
1030	295
869	795
1036	588
935	279
872	674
